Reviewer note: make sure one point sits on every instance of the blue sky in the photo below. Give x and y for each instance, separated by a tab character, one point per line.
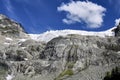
38	16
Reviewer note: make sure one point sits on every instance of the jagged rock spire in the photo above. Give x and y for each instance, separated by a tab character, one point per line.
117	30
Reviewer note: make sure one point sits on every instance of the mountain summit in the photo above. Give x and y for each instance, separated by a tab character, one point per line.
10	28
56	55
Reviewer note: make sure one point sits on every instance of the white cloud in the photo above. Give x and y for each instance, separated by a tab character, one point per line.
83	11
117	21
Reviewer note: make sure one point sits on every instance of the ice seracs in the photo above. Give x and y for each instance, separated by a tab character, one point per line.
47	36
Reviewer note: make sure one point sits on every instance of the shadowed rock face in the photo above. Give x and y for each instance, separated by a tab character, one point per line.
72	57
117	30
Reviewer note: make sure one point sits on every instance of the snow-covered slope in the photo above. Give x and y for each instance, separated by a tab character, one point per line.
47	36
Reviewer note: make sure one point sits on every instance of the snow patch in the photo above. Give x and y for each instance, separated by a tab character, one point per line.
6	43
118	52
23	47
9	77
25	59
22	40
9	39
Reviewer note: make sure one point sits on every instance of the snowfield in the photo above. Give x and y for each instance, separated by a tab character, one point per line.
47	36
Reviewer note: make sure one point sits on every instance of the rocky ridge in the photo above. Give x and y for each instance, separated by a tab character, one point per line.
11	28
69	57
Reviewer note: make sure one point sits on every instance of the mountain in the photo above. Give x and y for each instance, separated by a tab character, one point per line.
56	55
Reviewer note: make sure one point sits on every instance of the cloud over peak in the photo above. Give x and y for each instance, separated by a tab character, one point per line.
83	11
117	21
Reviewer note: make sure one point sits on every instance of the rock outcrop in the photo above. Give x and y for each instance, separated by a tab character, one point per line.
117	30
72	57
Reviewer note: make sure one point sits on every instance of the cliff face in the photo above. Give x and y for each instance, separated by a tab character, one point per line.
82	57
72	57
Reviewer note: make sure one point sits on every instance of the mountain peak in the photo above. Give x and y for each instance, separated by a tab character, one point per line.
10	28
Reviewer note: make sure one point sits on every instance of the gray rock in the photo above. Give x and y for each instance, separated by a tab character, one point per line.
77	53
72	57
117	30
